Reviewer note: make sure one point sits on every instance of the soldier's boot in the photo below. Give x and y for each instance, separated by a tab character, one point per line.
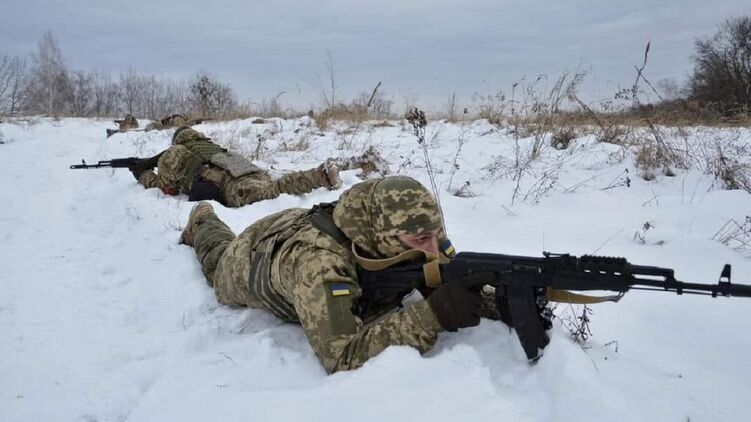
199	209
331	172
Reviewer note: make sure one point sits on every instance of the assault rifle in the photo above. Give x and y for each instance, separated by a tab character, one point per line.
524	285
120	162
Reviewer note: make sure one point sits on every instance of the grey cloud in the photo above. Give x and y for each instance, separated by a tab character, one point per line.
419	47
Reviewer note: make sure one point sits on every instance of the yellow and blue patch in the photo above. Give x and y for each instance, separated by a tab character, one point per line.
339	289
448	248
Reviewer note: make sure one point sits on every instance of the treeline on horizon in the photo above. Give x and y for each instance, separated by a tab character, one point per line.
719	87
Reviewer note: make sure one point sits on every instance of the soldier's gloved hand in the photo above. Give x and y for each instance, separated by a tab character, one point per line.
137	170
456	306
150	163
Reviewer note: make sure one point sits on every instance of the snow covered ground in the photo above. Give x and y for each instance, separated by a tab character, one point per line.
104	317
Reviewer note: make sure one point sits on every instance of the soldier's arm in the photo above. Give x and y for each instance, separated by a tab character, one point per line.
169	168
325	294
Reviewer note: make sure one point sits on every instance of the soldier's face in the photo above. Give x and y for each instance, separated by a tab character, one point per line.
427	242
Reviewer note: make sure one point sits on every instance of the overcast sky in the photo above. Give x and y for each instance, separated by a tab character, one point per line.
422	50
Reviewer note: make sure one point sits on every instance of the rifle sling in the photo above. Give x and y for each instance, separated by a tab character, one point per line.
565	296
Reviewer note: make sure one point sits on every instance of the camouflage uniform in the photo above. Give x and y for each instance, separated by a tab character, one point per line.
172	121
128	122
284	264
239	181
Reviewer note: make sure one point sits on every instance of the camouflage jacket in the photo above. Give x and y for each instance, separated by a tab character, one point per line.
302	274
177	166
315	278
180	163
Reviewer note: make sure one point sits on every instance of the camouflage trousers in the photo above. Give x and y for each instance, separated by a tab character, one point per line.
259	186
224	258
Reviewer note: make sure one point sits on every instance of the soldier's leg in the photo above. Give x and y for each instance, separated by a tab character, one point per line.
224	257
299	182
249	189
210	240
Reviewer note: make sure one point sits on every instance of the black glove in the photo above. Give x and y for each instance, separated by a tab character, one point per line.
138	169
150	163
456	305
144	164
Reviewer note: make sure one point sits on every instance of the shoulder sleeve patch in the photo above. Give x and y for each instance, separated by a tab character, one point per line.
339	289
339	299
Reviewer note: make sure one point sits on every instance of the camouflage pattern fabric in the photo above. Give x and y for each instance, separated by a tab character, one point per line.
153	126
128	122
369	163
175	165
314	276
186	134
259	186
178	166
375	212
174	120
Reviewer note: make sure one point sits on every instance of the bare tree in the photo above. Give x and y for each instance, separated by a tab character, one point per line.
131	89
105	95
12	77
5	79
151	100
211	98
722	67
81	93
671	89
49	85
329	98
176	96
16	94
451	108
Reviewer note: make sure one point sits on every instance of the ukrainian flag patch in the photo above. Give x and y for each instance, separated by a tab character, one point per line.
448	248
339	289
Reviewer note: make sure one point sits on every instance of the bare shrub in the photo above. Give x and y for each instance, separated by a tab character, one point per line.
451	109
640	235
490	107
419	122
728	169
575	319
267	108
562	137
465	191
323	121
300	144
648	158
461	140
736	235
